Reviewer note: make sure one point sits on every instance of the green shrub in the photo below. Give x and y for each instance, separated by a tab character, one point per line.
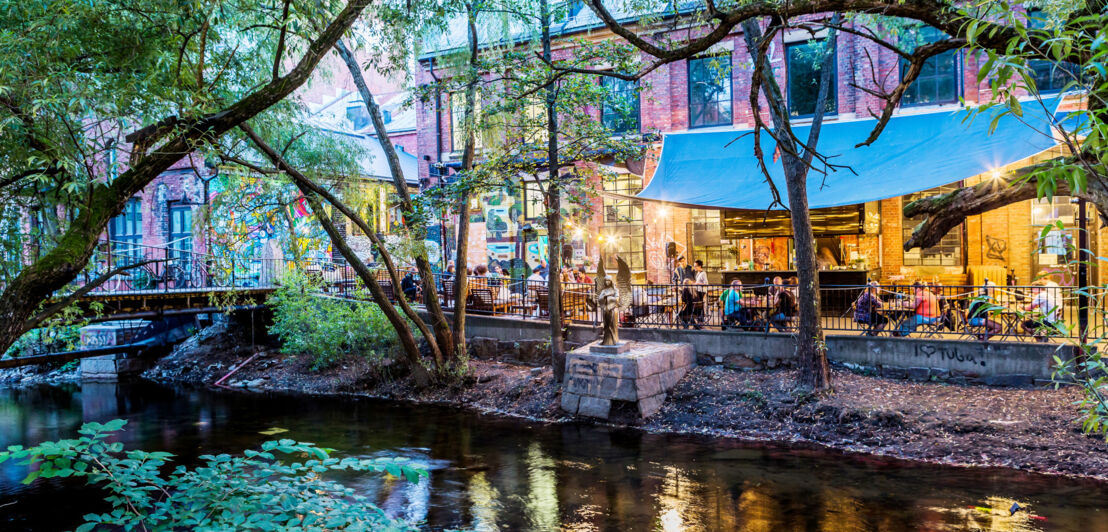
256	491
327	329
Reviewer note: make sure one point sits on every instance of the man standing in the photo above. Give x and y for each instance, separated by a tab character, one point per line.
681	271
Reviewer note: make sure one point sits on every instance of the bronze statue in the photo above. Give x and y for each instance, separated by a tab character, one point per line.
610	298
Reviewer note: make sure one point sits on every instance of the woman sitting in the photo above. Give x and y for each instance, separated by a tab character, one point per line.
977	315
784	309
734	313
866	310
926	310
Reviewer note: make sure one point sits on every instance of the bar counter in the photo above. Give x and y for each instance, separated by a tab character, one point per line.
826	277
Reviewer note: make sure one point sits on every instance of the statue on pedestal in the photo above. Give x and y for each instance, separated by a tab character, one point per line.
611	297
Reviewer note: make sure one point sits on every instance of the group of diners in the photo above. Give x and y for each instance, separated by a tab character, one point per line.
983	313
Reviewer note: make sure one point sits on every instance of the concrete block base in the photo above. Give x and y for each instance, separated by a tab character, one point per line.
641	375
111	368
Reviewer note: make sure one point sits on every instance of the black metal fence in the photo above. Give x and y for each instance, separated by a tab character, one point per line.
993	312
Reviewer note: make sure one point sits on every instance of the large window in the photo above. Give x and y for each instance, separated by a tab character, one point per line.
938	79
623	233
621	210
804	64
1049	76
948	252
704	238
180	233
125	230
710	91
620	112
627	241
457	122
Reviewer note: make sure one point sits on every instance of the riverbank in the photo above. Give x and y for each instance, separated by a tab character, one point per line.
974	426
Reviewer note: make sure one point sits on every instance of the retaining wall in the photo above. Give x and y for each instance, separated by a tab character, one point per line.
959	361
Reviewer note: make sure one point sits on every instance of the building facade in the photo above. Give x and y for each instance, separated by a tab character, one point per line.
710	92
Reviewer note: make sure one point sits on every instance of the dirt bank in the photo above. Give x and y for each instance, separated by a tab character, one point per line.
1029	429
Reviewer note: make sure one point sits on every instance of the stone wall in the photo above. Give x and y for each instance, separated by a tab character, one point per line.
959	361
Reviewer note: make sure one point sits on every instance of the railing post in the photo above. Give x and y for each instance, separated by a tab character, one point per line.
232	272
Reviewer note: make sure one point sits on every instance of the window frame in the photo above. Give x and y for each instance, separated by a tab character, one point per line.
908	224
1036	20
605	107
730	89
125	230
956	54
834	96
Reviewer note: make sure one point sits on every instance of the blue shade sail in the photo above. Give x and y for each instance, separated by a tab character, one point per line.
718	169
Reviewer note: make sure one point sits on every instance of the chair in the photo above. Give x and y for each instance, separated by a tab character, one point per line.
448	293
480	301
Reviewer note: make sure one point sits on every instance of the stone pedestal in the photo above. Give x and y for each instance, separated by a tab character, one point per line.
641	374
109	368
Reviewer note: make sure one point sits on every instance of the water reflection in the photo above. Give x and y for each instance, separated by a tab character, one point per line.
494	474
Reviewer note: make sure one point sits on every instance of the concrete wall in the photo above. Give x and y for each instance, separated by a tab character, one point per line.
962	361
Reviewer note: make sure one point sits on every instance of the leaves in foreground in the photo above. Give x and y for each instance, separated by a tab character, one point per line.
255	491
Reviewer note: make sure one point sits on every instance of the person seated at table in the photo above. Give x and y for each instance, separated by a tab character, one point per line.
410	286
583	277
494	275
480	277
1046	304
536	278
977	315
450	267
734	313
866	310
926	310
784	308
775	287
690	300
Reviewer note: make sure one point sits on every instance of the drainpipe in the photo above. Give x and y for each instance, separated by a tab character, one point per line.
438	114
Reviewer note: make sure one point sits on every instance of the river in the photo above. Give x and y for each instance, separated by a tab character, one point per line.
491	473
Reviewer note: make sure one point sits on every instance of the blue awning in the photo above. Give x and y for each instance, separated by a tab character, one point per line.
914	153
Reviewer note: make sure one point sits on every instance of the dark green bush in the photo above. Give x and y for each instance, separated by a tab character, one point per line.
327	329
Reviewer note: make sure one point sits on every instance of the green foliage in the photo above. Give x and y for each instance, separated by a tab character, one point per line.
1090	372
255	491
327	329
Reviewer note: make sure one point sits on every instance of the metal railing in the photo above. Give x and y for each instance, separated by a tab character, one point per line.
985	313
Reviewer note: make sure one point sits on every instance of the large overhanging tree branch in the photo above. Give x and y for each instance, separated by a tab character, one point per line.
36	282
313	192
944	212
415	223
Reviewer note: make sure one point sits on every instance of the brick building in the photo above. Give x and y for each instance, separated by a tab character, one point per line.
709	93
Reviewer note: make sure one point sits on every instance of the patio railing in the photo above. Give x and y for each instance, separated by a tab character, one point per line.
1001	312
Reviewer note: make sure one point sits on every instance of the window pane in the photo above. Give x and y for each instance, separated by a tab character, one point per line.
938	79
710	91
620	111
804	65
948	252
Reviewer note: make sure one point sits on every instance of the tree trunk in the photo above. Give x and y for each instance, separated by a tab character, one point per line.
415	224
38	282
815	371
308	187
461	277
811	351
407	341
553	201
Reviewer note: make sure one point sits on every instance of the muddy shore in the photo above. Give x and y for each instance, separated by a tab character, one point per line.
971	426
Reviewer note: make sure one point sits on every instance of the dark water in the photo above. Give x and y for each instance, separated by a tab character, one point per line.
495	474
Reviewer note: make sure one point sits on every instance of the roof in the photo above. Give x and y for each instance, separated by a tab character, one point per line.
399	117
375	165
492	30
915	152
